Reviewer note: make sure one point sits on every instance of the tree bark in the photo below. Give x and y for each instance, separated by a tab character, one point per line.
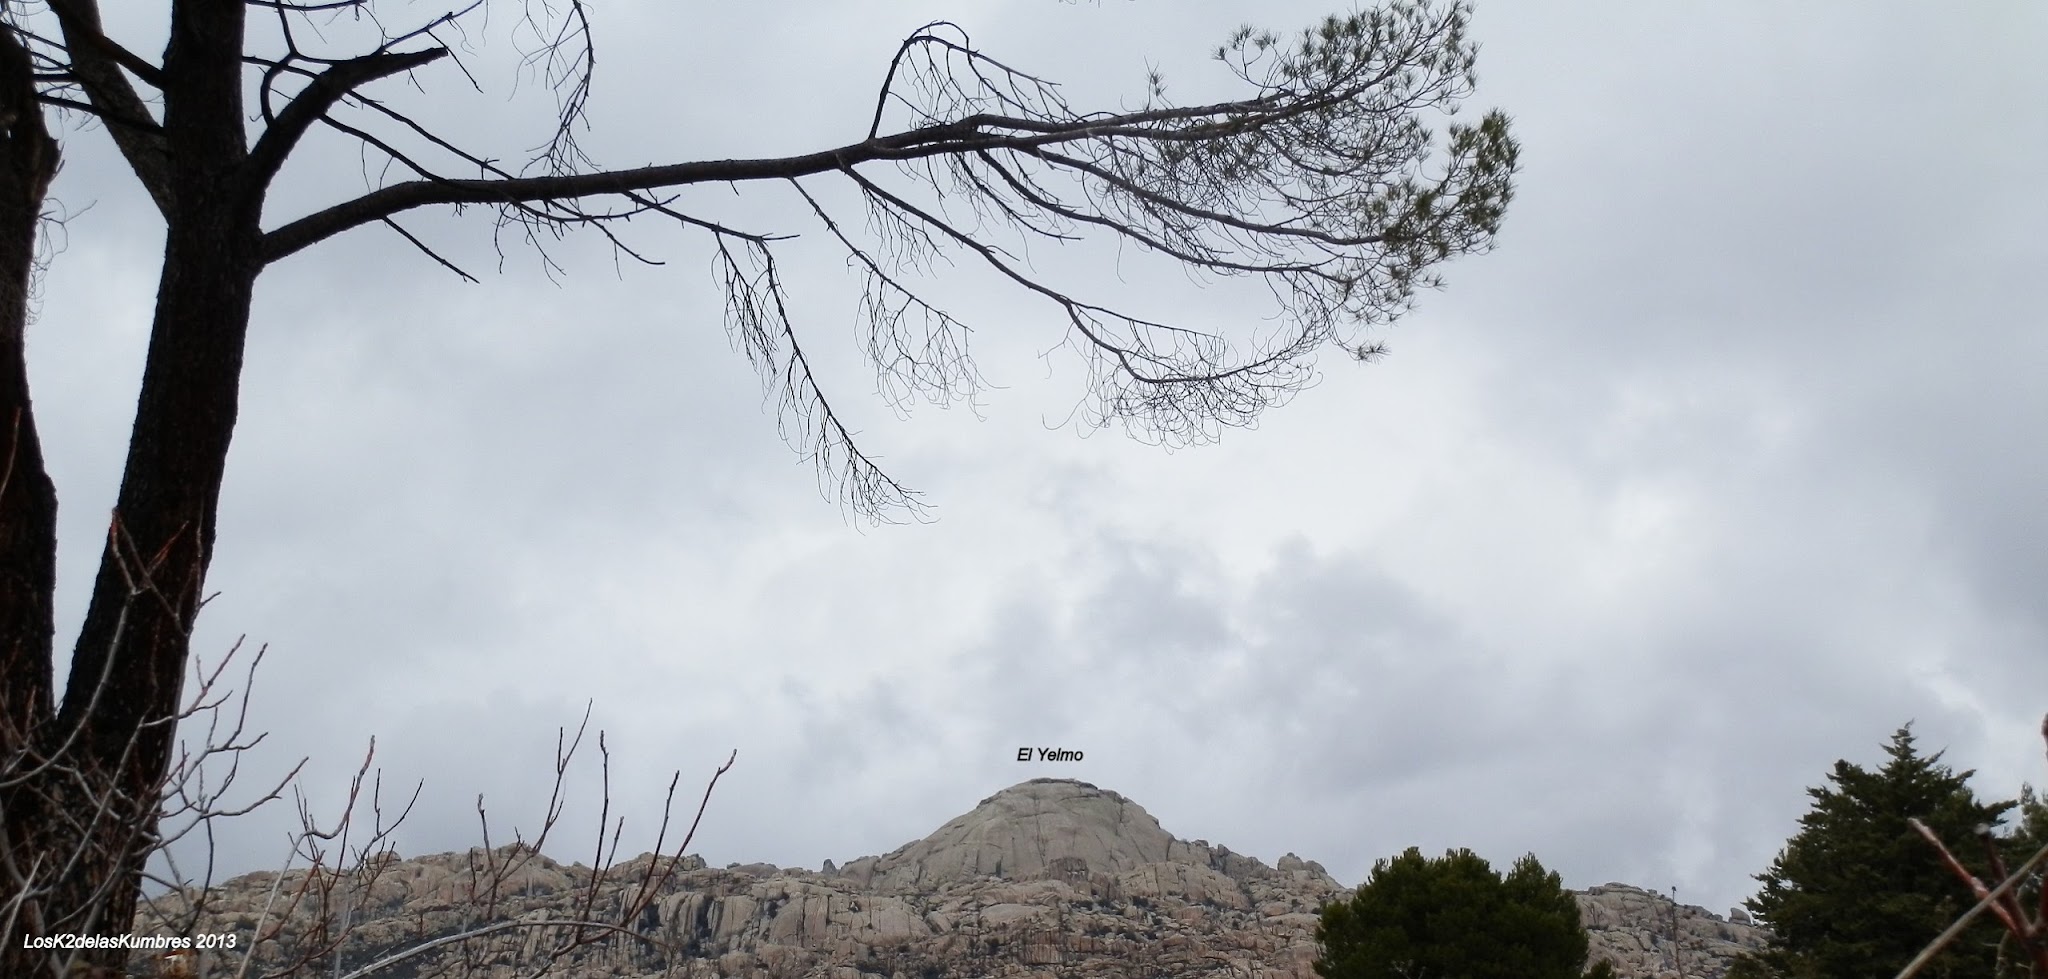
137	629
28	501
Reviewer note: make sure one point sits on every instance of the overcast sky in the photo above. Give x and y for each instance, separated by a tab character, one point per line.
1726	463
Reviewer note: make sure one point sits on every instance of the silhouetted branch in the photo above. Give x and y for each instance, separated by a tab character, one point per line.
94	61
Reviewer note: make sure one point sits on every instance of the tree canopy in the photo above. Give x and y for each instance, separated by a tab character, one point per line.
1858	892
1455	916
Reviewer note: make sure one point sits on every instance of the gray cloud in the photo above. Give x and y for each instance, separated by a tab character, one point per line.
1719	469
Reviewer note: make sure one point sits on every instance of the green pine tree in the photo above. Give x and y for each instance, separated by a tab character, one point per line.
1454	917
2019	844
1857	893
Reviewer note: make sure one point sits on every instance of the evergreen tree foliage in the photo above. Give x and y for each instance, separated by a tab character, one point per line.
2031	832
2019	844
1858	893
1454	917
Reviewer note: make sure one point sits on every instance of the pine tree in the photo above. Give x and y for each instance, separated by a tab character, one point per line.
1857	893
2028	834
1454	916
2019	844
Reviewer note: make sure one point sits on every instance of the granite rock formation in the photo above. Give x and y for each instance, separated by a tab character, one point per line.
1647	934
1049	878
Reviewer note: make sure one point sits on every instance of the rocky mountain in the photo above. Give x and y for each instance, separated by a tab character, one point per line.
1050	878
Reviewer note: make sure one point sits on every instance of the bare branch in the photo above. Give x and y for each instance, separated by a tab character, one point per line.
1312	182
1987	899
98	68
316	98
429	252
979	134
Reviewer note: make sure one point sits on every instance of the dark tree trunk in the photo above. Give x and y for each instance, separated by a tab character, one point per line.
28	503
136	636
128	669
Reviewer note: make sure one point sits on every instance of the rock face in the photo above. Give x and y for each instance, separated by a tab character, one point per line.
1022	832
1645	934
1050	878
